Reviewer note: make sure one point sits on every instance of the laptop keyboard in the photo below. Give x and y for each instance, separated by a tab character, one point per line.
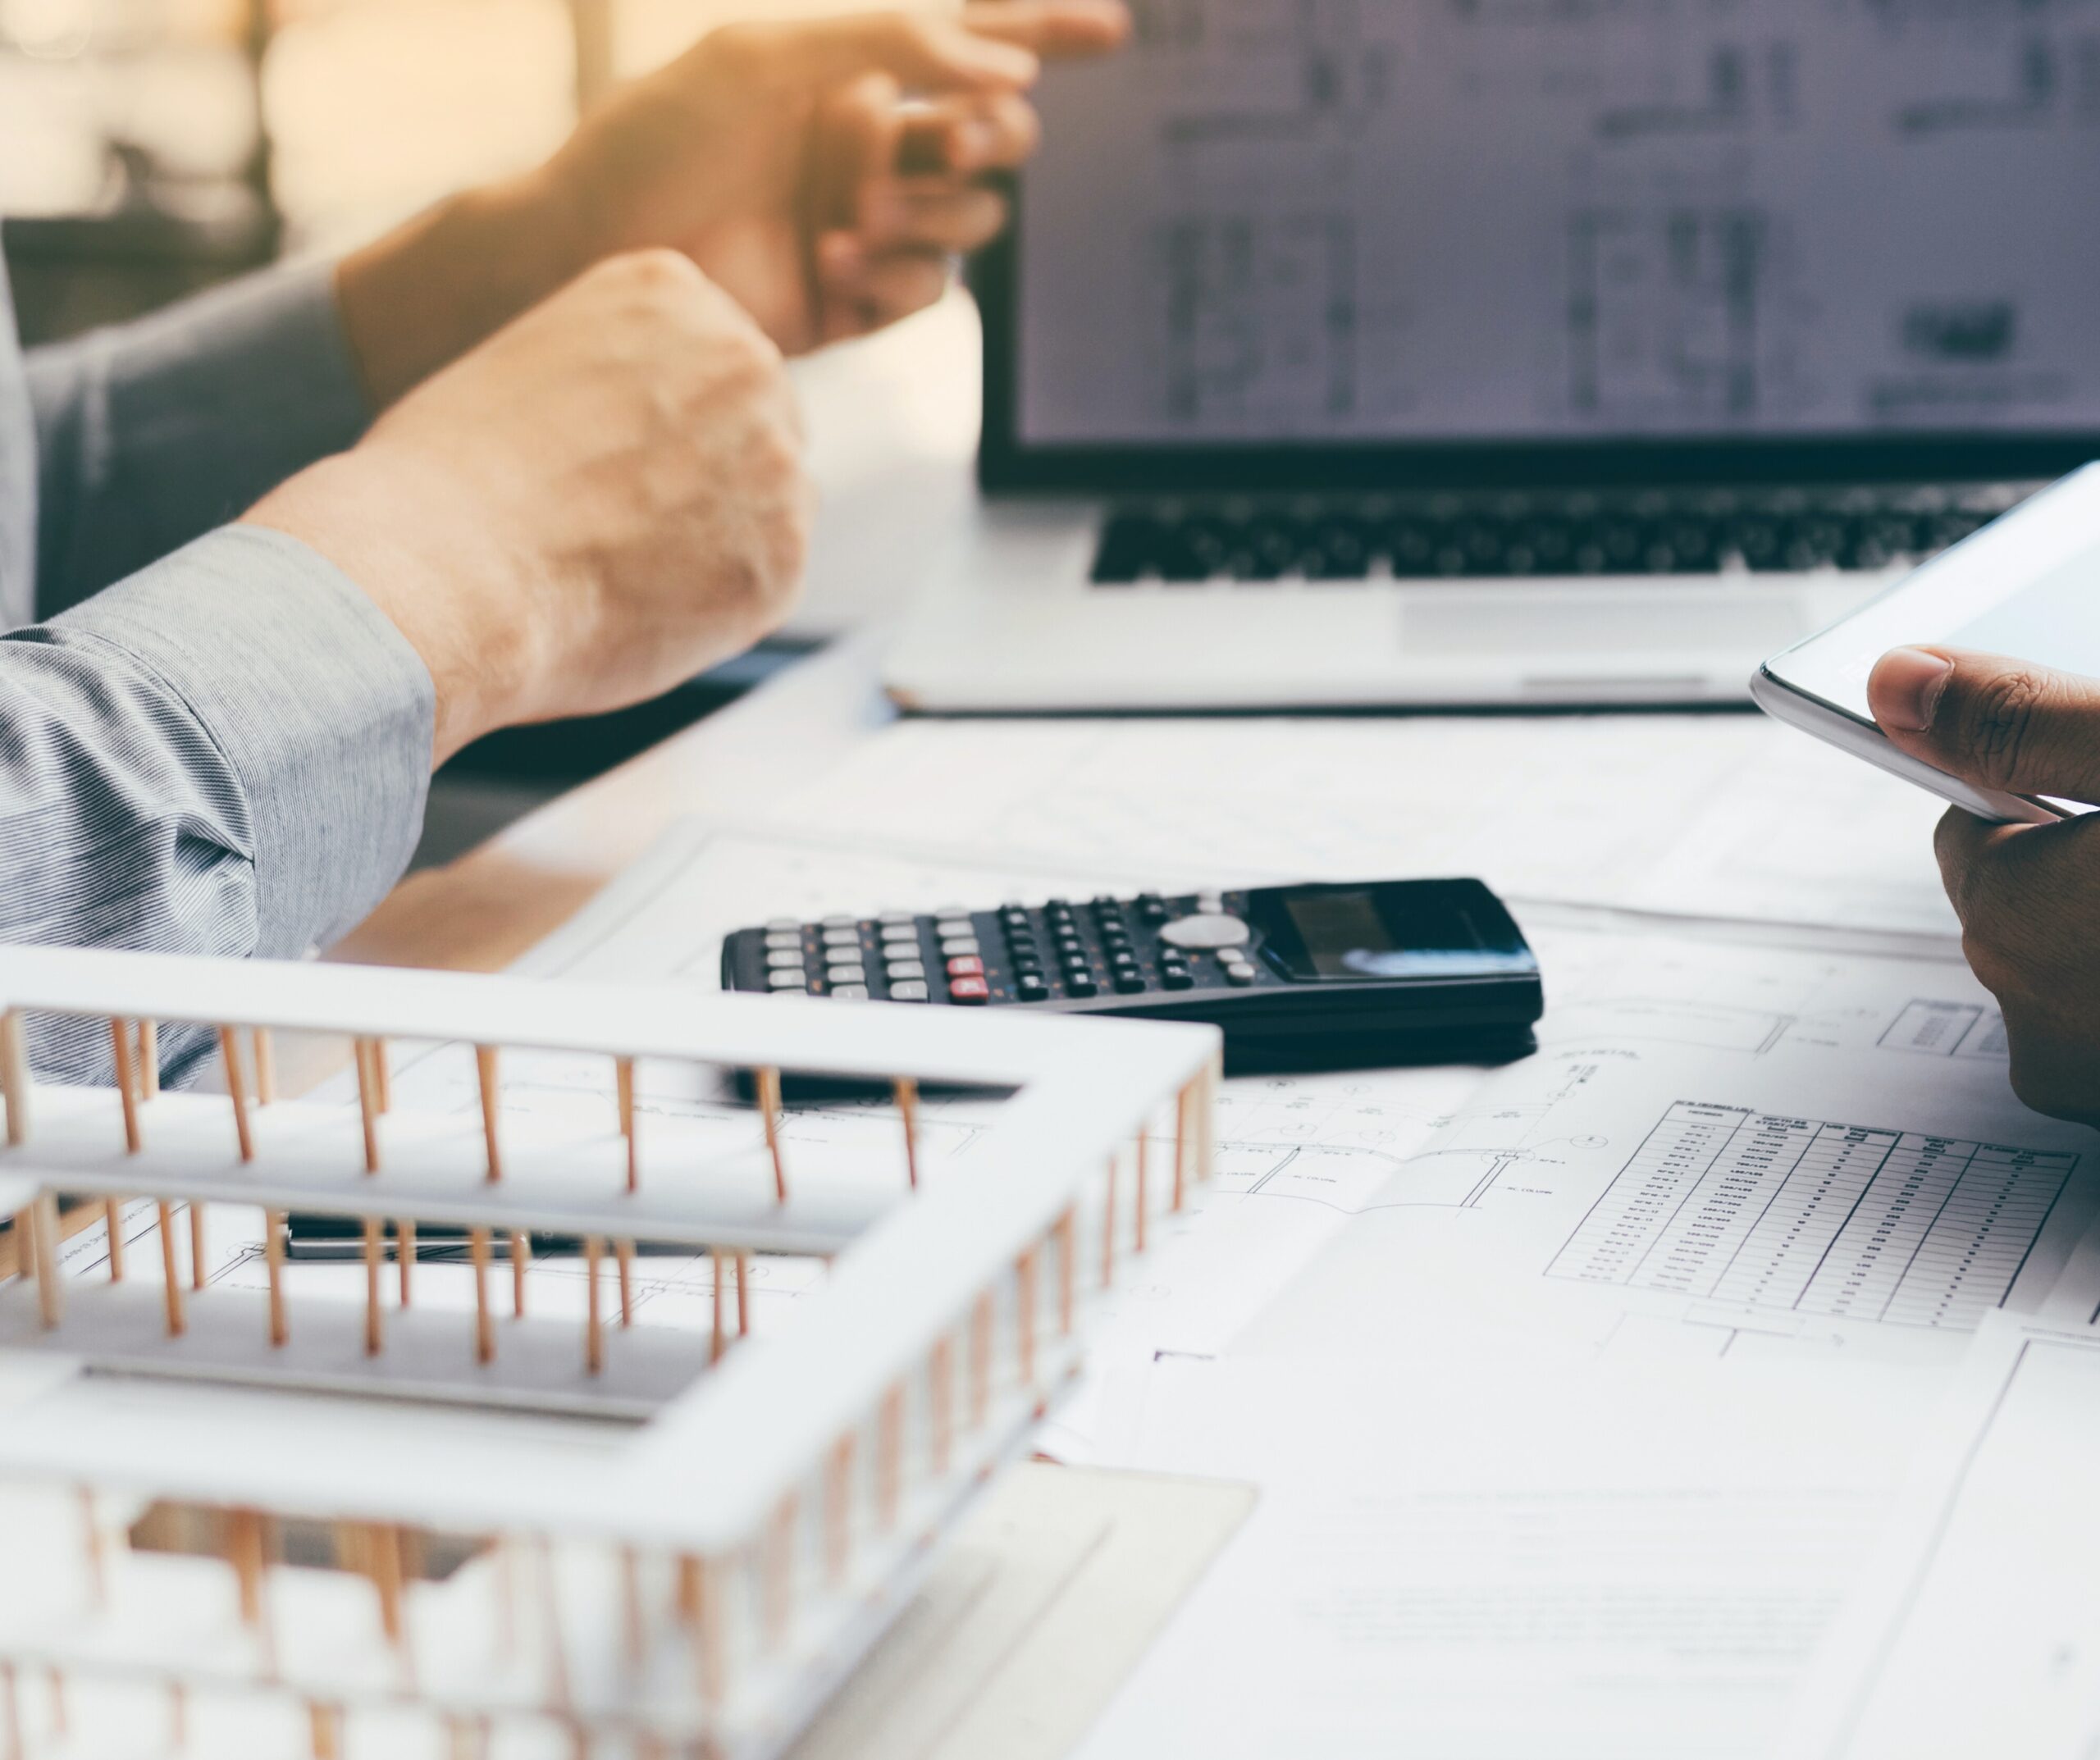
1455	537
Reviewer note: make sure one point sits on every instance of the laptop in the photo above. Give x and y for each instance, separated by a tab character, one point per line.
1377	353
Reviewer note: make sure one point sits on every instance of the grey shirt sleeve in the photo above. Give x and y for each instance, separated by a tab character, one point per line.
153	433
226	753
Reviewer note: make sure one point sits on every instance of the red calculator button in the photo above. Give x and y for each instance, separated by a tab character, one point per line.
966	966
969	989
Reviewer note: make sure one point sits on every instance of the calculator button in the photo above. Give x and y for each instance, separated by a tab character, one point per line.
1206	930
894	933
1212	902
1176	977
969	990
905	970
898	920
784	961
1152	907
842	937
1129	982
793	980
1028	968
955	946
1031	989
1079	984
1123	959
913	992
851	993
968	966
1058	907
846	974
784	940
842	923
1014	916
962	923
1238	972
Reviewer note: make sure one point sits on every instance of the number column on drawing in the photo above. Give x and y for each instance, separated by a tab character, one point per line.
1876	1249
1974	1250
1623	1225
1792	1237
1732	1203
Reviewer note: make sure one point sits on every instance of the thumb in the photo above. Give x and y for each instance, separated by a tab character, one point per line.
1998	723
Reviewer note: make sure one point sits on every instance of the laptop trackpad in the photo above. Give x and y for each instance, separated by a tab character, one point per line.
1579	626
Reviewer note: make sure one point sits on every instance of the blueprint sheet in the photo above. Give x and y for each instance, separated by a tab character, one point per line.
1722	816
1974	1630
1505	1563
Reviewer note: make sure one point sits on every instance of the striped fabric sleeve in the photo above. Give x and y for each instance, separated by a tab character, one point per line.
228	752
154	432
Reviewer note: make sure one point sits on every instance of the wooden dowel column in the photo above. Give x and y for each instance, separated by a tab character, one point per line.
743	1295
15	1083
404	1252
623	1083
478	1244
767	1085
485	1069
127	1081
170	1272
520	1258
368	1103
149	1059
375	1339
266	1066
43	1255
623	1258
197	1259
907	1106
594	1332
237	1091
720	1341
274	1224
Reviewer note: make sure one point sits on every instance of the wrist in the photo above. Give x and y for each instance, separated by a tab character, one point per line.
437	285
438	579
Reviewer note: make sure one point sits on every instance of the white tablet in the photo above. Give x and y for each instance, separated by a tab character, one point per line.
2028	586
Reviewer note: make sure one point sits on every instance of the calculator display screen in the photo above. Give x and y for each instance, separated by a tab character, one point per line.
1359	933
1343	934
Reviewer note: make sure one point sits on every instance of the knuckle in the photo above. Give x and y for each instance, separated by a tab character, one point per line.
657	275
1998	719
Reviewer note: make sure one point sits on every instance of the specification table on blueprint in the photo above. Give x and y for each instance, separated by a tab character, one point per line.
1762	1210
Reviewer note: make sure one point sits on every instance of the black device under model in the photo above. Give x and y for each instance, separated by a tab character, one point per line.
1299	977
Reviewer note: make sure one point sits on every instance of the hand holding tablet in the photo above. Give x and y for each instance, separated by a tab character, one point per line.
2015	739
2012	737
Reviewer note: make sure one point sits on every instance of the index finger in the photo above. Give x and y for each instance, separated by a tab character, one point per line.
922	53
1054	28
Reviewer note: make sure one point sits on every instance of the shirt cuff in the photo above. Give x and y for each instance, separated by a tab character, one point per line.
322	708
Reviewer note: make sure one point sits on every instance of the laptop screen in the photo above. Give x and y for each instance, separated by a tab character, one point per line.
1846	233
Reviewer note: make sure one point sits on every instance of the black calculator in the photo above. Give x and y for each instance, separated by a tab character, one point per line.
1298	977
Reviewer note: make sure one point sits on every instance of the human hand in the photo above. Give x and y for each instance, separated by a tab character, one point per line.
601	500
770	154
2028	895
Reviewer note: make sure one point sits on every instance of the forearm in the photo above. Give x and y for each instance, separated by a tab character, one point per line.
432	289
226	753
